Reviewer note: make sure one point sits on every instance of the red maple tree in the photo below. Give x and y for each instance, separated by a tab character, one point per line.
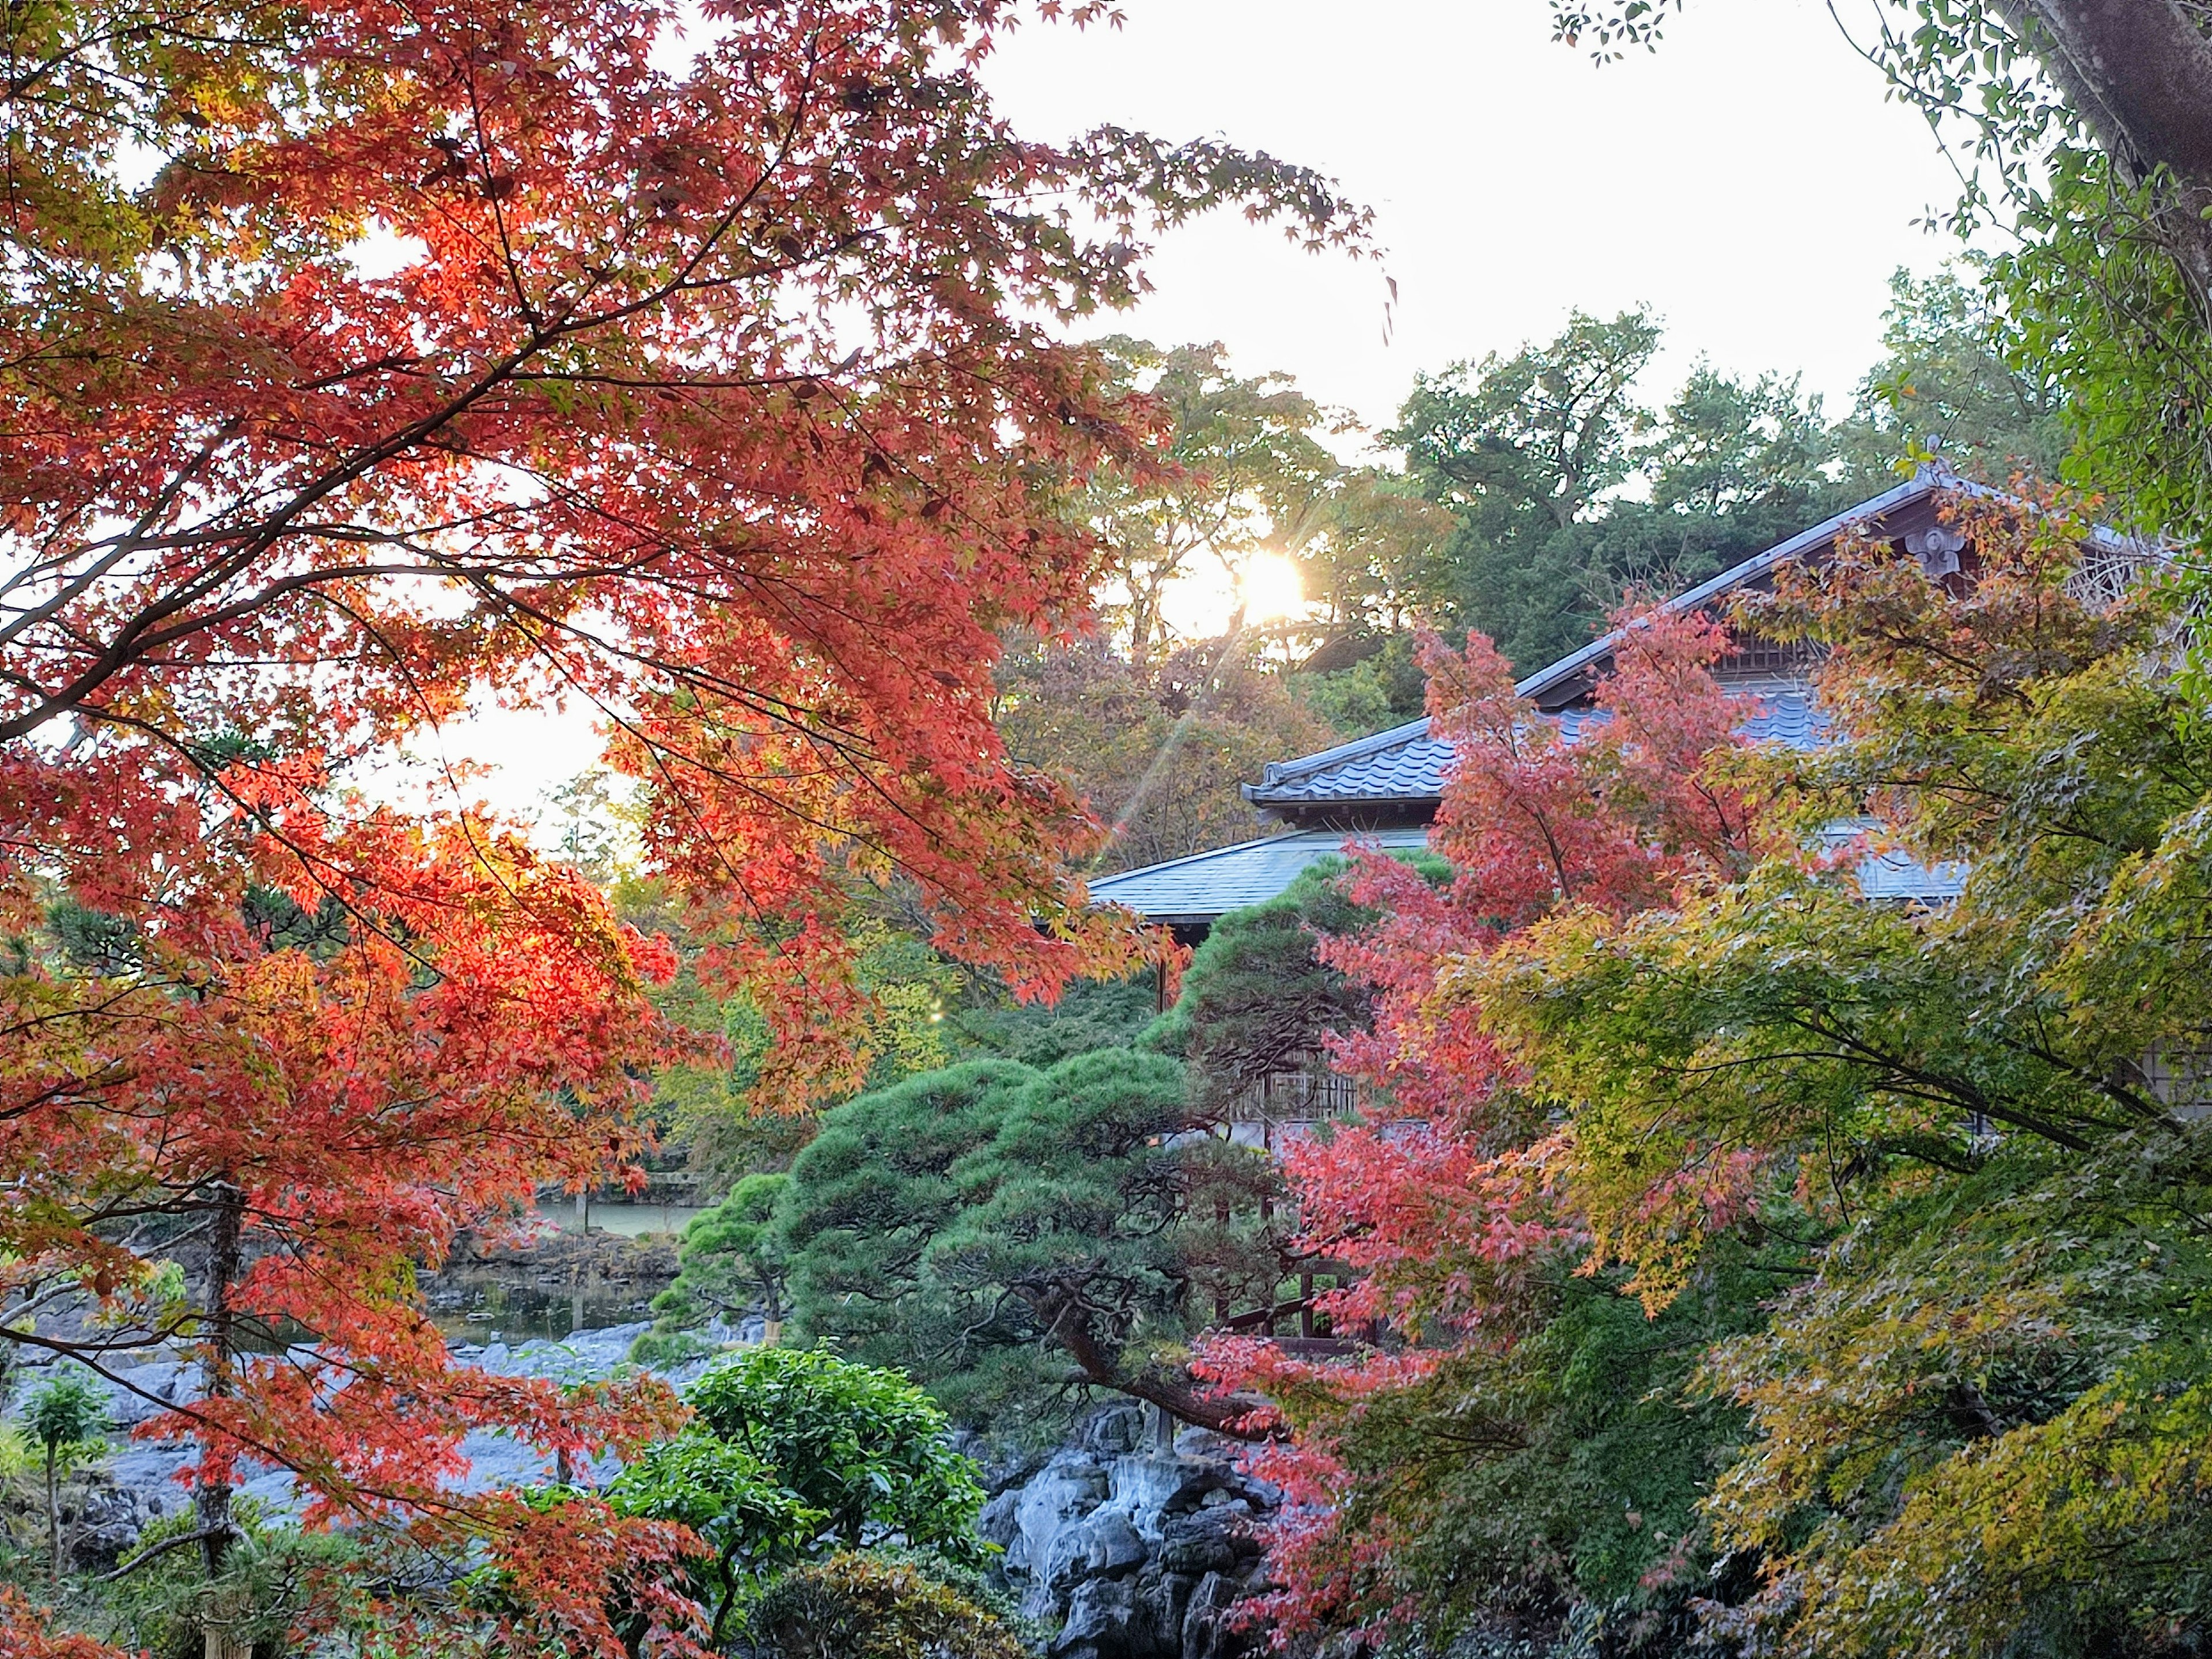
363	359
1455	1185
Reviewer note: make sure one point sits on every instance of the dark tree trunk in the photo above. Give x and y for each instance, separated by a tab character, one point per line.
53	1521
1069	1325
2139	72
211	1501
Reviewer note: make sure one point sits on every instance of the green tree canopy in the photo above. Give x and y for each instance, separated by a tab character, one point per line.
1534	453
1246	461
1007	1234
793	1454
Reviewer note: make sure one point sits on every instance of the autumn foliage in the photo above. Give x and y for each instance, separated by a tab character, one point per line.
1760	1262
366	362
1454	1190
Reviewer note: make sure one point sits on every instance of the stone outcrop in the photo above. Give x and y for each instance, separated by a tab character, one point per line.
1131	1549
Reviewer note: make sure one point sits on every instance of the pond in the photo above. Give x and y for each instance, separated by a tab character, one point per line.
566	1281
622	1217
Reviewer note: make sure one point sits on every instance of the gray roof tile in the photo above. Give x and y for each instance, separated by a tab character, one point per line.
1206	886
1406	763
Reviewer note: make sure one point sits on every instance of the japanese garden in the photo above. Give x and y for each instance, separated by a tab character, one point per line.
745	915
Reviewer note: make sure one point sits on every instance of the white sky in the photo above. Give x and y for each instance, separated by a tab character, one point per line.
1750	181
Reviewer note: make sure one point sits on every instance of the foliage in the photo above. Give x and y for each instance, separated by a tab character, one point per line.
1552	427
1985	1091
1243	462
278	1582
793	1452
1159	751
66	1412
1473	1479
1363	684
2079	130
1093	1014
363	368
729	1263
1530	452
1690	1062
867	1607
1953	380
1257	1000
1371	554
66	1417
985	1227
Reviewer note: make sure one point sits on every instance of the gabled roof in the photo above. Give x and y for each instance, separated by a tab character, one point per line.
1203	888
1921	488
1405	765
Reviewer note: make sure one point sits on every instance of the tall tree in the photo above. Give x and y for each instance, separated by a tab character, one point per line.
1159	753
1371	555
361	362
2086	128
1243	462
1529	451
1723	445
1552	427
1430	1486
1944	384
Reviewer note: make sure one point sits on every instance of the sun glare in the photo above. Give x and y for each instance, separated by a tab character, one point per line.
1271	589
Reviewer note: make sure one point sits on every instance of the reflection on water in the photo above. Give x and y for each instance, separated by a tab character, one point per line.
485	1306
623	1219
565	1284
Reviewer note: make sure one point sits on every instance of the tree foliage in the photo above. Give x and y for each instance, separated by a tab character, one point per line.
2080	127
1464	1481
792	1454
1159	751
1007	1234
1896	1208
1245	461
867	1607
363	365
1531	452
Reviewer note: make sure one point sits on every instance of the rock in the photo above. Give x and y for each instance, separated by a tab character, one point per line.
108	1531
1000	1521
1162	1599
1104	1546
170	1381
1115	1432
1099	1617
1206	1540
1206	1631
1058	1496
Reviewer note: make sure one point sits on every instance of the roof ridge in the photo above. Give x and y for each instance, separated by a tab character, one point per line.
1925	480
1373	742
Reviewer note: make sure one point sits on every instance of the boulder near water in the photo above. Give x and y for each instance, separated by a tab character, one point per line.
1131	1550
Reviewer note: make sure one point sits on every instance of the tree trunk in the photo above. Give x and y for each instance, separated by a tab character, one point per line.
53	1521
2139	73
1066	1324
211	1501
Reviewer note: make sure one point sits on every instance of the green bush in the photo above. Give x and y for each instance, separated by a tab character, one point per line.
794	1453
867	1607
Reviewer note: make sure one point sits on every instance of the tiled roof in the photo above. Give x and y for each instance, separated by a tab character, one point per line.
1406	763
1206	886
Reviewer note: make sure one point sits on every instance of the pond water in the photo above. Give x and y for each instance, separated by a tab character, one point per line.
512	1299
625	1220
492	1308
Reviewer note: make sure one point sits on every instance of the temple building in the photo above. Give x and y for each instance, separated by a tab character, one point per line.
1384	790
